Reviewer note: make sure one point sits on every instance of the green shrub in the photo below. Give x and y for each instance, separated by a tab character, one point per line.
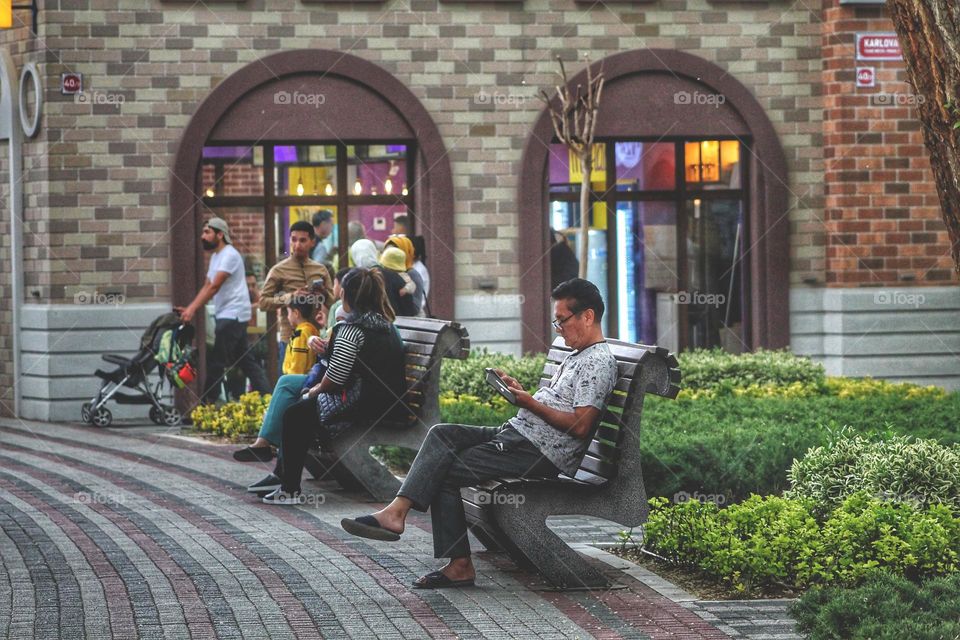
885	607
900	468
771	540
397	459
466	377
740	445
747	545
715	368
471	410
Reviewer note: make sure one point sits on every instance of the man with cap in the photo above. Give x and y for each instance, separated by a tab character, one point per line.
226	284
323	231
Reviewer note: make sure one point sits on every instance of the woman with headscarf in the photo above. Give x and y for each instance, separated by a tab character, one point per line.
406	244
364	254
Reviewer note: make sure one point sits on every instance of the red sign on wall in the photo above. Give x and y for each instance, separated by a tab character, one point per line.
866	77
878	46
71	83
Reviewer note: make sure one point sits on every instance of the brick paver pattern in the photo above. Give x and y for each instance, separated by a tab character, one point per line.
134	532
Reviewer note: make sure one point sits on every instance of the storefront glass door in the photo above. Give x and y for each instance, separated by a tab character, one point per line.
665	239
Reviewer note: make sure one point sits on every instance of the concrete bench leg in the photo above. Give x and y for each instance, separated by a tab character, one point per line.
534	544
355	466
489	542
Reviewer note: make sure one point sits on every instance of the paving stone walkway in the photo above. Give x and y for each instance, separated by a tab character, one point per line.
138	532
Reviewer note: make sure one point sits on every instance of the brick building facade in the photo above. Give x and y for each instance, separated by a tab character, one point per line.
843	255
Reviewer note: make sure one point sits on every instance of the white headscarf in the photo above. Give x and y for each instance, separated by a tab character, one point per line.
364	254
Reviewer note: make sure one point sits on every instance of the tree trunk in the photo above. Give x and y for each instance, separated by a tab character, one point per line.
586	168
929	32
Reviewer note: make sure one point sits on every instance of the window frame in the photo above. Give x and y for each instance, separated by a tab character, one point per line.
678	196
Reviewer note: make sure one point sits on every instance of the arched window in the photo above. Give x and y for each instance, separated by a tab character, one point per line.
689	207
302	131
665	241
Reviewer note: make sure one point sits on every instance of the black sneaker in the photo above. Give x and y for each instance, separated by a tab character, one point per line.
281	497
268	485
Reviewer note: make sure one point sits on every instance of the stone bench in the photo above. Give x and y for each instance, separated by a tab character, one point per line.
510	514
427	342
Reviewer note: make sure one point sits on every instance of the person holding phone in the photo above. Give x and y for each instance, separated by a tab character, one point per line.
549	435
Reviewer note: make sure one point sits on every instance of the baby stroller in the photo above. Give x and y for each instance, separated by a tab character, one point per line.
165	345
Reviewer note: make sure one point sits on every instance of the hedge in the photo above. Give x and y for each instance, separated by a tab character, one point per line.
901	469
886	607
771	540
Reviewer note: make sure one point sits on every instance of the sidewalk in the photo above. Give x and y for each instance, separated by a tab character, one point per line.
138	532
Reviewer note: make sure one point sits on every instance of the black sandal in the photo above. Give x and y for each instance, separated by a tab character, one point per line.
368	527
254	454
436	580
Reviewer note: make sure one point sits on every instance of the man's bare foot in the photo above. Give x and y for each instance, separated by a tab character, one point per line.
260	442
459	572
460	569
390	519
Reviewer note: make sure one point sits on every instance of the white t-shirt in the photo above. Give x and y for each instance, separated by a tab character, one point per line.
233	298
421	268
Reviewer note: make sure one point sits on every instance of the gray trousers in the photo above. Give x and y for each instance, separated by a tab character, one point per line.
456	455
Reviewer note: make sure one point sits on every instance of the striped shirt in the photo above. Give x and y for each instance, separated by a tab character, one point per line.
346	348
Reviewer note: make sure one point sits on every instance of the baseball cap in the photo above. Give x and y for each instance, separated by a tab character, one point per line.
219	224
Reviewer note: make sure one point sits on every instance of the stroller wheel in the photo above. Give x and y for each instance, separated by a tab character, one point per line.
156	416
86	412
171	416
102	417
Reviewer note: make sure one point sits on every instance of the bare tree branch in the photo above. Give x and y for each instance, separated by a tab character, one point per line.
574	120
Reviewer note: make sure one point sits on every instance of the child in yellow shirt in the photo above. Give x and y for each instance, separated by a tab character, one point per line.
299	357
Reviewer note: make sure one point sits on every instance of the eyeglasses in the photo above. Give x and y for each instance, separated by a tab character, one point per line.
558	324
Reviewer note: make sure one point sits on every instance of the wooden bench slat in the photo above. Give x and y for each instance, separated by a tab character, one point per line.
430	324
606	432
418	348
606	452
412	335
416	361
622	351
598	467
610	420
586	477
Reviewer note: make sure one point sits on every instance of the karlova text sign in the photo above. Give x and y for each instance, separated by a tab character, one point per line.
878	46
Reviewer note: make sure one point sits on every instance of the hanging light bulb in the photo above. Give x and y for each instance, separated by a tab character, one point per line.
299	186
357	187
210	192
388	186
328	190
404	191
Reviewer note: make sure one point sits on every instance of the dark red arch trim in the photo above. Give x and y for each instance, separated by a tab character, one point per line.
769	246
434	195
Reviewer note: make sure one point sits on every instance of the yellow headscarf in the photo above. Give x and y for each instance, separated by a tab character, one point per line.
405	243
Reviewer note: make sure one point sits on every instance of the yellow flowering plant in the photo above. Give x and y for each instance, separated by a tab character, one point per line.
233	420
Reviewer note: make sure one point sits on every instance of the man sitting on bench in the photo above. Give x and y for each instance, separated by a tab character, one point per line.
549	435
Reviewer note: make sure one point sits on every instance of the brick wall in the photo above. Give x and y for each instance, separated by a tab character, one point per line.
237	180
113	158
23	48
98	174
881	211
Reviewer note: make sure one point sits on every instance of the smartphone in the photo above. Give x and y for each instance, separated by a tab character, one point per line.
500	386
